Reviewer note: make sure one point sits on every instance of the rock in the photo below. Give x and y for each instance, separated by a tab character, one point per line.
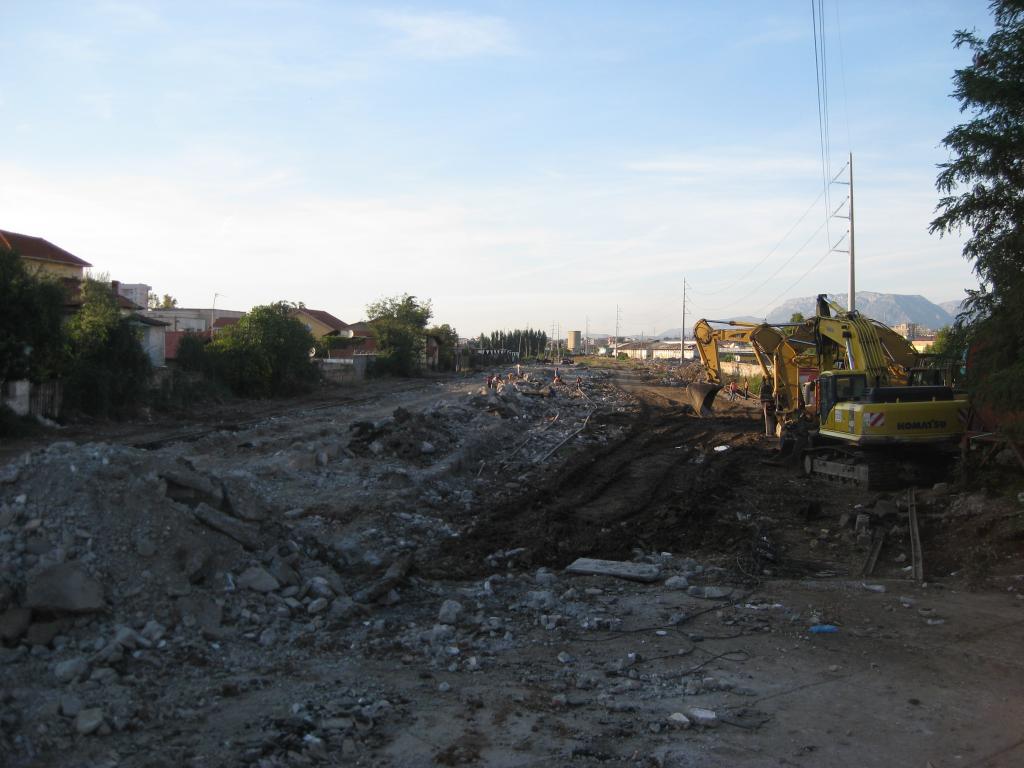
545	577
862	524
89	720
342	607
14	623
709	593
677	582
449	612
258	580
565	658
283	572
703	717
232	527
72	669
153	631
66	587
540	600
679	720
427	448
268	637
317	606
42	633
322	458
940	489
242	501
70	705
319	586
642	572
190	487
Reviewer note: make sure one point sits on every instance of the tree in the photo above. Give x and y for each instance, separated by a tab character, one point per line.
107	368
31	310
264	354
165	302
982	188
796	317
448	339
399	323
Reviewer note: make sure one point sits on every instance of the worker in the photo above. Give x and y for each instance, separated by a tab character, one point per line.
746	389
579	383
768	407
733	389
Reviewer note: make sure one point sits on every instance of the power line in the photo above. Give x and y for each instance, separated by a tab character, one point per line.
771	252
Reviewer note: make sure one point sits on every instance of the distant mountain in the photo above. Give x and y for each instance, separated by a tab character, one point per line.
890	308
953	308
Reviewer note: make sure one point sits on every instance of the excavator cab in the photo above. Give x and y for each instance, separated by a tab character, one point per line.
839	388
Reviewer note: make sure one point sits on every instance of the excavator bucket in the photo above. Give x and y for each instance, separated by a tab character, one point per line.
701	396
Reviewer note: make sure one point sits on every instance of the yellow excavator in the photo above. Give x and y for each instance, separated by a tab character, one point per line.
850	394
865	395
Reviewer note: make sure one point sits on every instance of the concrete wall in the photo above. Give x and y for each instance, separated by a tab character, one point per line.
345	369
740	370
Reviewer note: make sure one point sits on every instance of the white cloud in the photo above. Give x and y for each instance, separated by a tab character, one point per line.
448	35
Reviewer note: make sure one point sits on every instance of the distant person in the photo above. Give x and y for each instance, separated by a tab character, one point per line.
746	389
768	407
733	389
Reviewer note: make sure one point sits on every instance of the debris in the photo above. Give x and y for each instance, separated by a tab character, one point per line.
706	718
449	612
709	593
258	580
643	572
880	588
677	582
89	720
65	587
679	720
241	532
823	629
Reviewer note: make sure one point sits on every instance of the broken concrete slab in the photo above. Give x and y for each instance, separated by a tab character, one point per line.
643	572
243	501
65	587
241	532
190	487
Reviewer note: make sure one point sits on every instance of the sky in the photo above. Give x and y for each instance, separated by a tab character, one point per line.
517	163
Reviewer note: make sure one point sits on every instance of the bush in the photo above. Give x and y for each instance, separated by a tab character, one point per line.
107	368
31	313
265	354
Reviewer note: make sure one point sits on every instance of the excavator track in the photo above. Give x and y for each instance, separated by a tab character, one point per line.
872	471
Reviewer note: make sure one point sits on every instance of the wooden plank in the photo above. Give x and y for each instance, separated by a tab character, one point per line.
876	548
644	572
915	537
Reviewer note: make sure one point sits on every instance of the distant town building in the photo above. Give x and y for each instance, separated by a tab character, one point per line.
191	318
137	293
575	341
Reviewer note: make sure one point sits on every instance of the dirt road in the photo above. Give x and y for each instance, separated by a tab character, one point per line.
402	600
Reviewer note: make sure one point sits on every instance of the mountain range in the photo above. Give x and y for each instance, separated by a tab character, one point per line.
889	308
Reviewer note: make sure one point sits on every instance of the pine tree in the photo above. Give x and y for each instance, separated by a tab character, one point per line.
982	188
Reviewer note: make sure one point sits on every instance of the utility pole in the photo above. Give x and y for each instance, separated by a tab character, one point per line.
618	317
682	331
586	338
852	302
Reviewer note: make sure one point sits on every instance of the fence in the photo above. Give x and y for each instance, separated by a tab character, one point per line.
26	398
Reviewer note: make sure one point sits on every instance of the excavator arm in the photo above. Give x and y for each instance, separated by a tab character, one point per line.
709	338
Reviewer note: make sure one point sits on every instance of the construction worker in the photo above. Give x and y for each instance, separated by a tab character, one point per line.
746	389
733	389
768	407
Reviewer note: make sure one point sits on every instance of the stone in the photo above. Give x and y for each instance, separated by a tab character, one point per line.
320	587
677	582
258	580
545	577
283	572
702	717
268	637
42	633
72	669
190	487
679	720
565	658
642	572
65	587
449	612
540	600
317	606
709	593
70	705
862	524
14	623
153	631
242	501
89	720
342	607
232	527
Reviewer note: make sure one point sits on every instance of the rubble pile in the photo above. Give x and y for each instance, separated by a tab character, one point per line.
143	590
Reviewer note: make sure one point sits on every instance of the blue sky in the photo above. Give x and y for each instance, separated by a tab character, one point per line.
517	163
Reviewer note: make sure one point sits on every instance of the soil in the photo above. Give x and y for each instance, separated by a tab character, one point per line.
417	609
